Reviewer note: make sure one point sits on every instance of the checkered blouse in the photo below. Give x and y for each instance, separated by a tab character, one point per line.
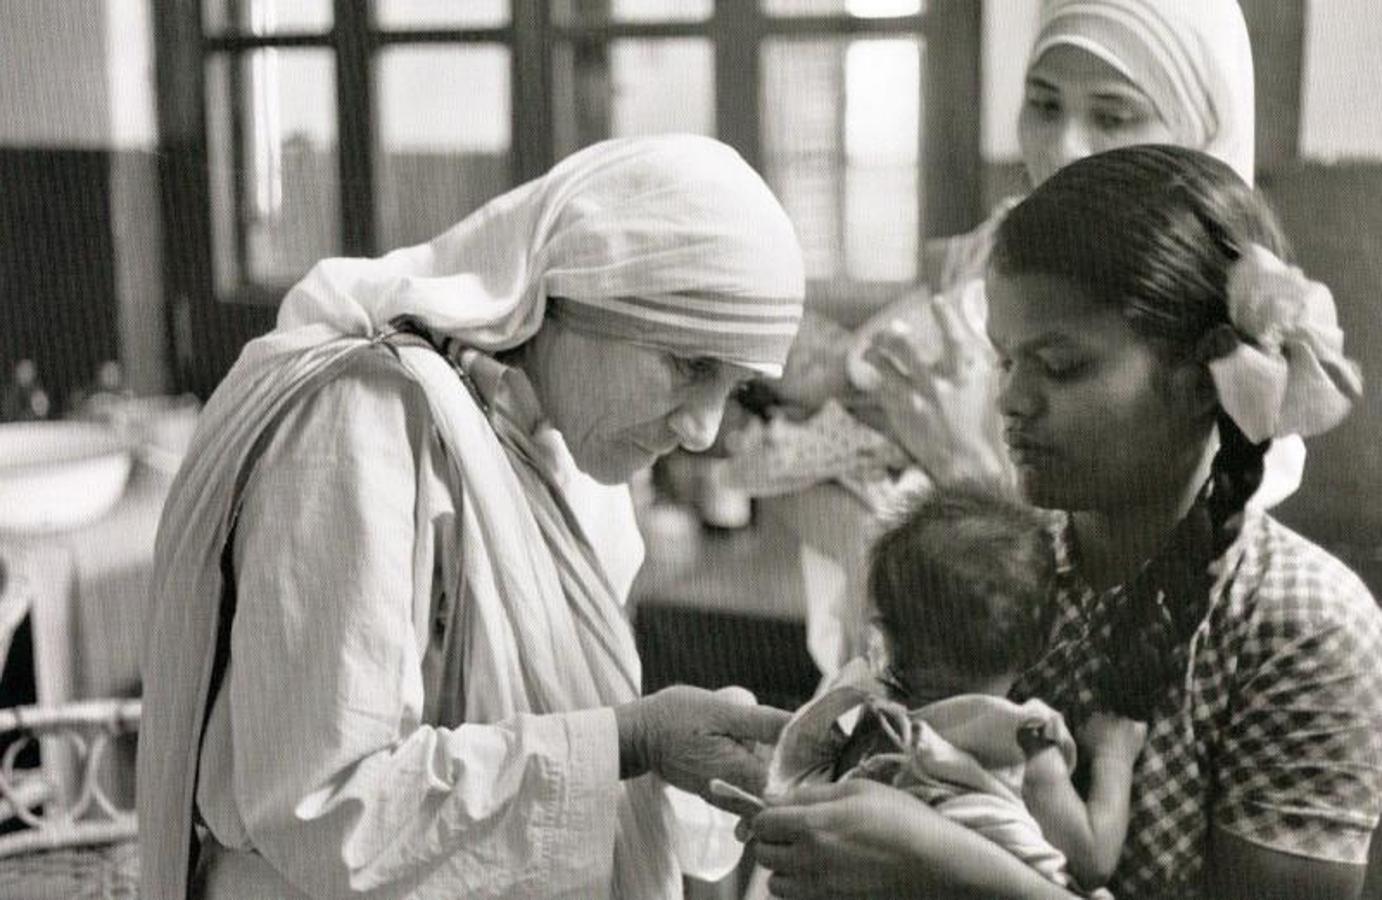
1275	734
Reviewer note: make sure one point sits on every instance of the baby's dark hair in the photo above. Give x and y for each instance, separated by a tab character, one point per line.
1154	231
961	581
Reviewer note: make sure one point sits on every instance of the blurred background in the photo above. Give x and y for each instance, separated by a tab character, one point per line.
169	167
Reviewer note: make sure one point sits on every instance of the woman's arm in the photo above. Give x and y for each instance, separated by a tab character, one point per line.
1239	870
859	838
1299	761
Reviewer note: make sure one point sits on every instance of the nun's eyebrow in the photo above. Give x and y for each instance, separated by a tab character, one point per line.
1111	90
1122	94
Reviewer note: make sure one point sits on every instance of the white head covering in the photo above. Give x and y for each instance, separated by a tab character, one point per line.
1192	59
671	241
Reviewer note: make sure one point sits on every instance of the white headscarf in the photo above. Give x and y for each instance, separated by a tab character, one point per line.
1192	58
671	241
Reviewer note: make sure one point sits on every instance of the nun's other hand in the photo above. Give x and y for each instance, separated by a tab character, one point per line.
942	410
854	838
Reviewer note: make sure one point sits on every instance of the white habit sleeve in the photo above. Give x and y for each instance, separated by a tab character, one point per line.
316	755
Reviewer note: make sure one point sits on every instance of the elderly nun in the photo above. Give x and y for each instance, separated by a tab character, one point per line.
387	653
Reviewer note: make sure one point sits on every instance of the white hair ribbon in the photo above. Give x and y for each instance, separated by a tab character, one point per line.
1288	374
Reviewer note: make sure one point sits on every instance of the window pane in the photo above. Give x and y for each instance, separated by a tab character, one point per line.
864	9
441	13
600	11
841	132
439	158
272	155
633	87
662	86
882	129
803	101
266	16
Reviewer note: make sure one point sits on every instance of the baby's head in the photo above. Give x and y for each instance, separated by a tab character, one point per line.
959	588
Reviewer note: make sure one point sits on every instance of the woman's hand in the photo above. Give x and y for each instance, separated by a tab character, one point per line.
941	409
860	838
850	839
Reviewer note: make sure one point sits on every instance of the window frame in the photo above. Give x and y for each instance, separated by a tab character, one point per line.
949	189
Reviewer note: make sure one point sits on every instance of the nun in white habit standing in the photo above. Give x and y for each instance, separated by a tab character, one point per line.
387	654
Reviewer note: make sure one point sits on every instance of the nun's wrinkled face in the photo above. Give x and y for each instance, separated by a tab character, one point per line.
619	406
1076	105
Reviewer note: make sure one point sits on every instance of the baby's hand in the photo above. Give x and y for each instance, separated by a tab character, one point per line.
1108	735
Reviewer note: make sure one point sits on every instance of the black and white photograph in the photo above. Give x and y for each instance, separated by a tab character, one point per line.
690	449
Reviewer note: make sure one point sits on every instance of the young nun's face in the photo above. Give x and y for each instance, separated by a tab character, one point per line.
619	406
1093	417
1076	105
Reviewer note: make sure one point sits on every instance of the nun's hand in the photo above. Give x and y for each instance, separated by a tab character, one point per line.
688	736
942	411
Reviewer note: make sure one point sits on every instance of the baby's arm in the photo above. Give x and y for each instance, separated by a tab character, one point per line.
1089	833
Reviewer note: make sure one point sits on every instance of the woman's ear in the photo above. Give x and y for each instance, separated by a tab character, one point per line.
1200	390
1191	385
1216	343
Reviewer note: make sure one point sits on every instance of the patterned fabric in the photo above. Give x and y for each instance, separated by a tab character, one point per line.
781	456
785	456
1275	734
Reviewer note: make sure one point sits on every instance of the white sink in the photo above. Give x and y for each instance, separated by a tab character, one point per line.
59	475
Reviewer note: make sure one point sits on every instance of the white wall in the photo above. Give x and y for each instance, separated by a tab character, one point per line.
1010	28
76	74
1341	102
53	61
130	74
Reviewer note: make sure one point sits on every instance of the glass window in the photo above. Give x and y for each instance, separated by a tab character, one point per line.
266	17
273	164
662	85
882	149
634	86
401	14
444	137
802	107
841	123
601	11
864	9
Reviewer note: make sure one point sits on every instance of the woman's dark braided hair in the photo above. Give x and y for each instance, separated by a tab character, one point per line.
1155	229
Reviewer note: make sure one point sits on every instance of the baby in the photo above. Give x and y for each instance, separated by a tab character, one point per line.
960	589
